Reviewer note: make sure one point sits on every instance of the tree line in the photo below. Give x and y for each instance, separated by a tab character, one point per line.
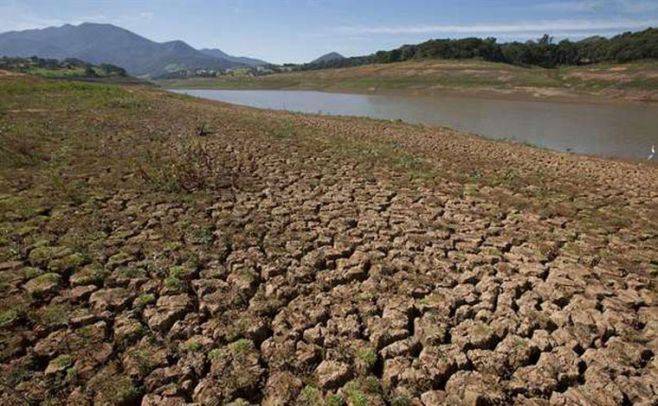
27	65
544	52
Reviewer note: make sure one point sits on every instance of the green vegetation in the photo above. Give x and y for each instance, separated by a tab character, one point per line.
145	299
31	273
401	401
193	346
543	52
334	400
216	354
366	359
310	395
62	361
181	272
91	275
242	345
174	284
142	357
364	391
9	316
72	374
66	68
114	389
48	278
53	314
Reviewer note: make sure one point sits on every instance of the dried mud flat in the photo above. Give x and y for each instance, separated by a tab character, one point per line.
162	250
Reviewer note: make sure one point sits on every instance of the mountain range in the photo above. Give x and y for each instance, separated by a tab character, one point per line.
106	43
217	53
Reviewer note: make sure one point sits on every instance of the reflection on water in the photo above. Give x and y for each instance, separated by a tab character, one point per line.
622	130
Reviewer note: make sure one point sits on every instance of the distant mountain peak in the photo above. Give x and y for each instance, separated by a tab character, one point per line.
106	43
331	56
244	60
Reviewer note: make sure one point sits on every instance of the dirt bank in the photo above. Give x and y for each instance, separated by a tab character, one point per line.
611	83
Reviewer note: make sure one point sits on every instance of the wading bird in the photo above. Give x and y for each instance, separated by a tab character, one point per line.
653	152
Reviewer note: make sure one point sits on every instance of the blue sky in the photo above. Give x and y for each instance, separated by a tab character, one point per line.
300	30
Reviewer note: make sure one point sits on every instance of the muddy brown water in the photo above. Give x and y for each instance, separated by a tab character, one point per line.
615	129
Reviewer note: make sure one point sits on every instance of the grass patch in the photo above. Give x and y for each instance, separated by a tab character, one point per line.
184	166
62	361
31	273
216	354
366	359
193	346
145	299
334	400
11	315
174	284
242	345
310	395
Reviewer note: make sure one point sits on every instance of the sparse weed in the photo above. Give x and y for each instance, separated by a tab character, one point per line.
334	400
243	345
357	397
63	361
72	374
205	235
367	358
174	284
19	151
186	165
194	346
285	133
74	192
31	272
311	395
217	354
11	315
401	401
145	299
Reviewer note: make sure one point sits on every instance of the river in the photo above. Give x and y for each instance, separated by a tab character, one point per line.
613	129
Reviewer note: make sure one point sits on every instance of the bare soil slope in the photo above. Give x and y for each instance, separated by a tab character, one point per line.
165	250
632	81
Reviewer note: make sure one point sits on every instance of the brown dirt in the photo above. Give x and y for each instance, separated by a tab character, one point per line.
166	250
5	73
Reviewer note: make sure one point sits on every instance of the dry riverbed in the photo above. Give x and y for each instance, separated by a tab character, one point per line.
159	249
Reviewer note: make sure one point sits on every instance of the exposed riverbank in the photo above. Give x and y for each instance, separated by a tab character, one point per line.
635	82
158	248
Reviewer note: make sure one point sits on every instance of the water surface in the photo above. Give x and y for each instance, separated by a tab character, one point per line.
621	130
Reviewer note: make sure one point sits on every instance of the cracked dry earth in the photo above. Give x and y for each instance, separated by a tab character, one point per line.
311	260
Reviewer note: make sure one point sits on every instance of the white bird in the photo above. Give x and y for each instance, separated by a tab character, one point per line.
653	152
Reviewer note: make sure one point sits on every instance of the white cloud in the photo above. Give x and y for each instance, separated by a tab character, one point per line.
632	6
550	26
573	6
620	6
